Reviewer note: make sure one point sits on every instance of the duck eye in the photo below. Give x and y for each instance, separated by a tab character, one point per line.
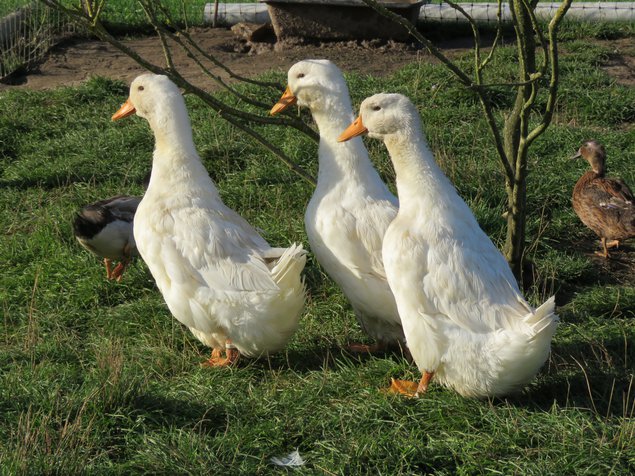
140	88
376	108
300	75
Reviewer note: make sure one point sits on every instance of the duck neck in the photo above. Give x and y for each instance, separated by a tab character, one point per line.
416	171
175	159
341	161
172	128
599	168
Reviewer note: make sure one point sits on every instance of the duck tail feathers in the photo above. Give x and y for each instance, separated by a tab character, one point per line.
543	320
286	272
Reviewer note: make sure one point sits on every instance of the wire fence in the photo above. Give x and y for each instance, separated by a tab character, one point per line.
28	33
487	12
28	29
437	11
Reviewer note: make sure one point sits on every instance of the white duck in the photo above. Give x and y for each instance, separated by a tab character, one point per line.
464	317
217	275
105	229
351	207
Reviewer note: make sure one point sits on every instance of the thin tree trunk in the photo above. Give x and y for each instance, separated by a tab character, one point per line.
517	127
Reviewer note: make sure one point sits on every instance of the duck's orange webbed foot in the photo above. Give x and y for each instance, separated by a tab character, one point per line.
406	388
217	360
411	389
117	273
605	247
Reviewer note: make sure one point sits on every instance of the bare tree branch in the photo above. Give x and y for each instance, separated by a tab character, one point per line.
477	41
541	38
464	78
553	82
226	112
292	165
190	53
212	59
151	16
497	38
461	75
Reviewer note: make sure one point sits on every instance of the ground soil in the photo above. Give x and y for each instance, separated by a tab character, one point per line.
74	61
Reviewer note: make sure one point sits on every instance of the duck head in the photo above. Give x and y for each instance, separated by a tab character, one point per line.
151	97
315	84
382	116
594	153
158	100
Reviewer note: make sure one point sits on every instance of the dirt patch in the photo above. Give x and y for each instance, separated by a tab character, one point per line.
74	61
621	63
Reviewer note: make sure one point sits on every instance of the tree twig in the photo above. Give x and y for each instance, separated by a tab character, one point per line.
226	112
162	31
292	165
553	82
497	38
151	16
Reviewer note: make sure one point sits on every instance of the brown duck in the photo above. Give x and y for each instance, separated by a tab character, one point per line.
604	204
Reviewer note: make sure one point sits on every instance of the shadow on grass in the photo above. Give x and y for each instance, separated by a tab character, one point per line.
161	412
318	358
54	181
606	394
586	376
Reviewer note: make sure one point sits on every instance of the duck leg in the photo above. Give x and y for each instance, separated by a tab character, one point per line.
613	244
216	360
423	383
117	273
108	268
605	251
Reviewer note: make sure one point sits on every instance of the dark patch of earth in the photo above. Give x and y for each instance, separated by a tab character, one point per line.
75	60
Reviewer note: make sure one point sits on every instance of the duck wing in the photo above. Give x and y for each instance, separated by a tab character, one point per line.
469	281
227	254
613	192
122	207
208	264
361	236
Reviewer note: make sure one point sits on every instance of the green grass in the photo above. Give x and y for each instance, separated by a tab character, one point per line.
9	6
97	378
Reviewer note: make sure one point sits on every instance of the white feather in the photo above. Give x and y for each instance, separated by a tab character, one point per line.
293	459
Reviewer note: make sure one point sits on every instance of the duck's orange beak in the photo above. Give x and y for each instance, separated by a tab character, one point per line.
357	128
125	110
287	99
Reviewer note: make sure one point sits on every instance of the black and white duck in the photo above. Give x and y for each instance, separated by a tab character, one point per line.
105	229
